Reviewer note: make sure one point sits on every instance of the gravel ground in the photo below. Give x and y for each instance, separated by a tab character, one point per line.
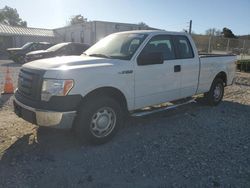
192	146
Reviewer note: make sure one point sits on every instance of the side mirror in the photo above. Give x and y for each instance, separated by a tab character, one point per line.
151	58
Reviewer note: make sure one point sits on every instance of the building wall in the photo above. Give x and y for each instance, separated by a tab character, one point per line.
75	33
103	29
6	42
91	32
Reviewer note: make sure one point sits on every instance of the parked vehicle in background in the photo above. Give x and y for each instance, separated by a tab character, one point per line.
123	73
18	54
61	49
239	51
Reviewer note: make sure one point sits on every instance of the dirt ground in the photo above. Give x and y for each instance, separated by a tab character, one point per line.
193	146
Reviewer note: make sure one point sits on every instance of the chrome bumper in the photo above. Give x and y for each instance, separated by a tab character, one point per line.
62	120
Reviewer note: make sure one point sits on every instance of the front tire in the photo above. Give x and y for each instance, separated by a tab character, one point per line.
216	92
98	120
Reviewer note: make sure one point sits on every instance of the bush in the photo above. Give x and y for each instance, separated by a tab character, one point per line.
243	65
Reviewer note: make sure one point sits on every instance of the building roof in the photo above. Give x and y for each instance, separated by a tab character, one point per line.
98	21
27	31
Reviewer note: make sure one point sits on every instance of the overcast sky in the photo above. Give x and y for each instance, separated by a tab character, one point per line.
172	15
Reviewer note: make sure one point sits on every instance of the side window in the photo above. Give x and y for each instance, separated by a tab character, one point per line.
69	49
43	46
184	48
33	46
39	46
73	48
77	49
63	50
161	44
46	46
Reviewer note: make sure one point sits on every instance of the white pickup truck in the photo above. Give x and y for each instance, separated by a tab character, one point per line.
120	74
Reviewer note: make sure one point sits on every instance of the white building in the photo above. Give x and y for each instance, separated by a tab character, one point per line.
91	32
88	32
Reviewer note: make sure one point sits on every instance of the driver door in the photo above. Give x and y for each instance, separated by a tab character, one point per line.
157	83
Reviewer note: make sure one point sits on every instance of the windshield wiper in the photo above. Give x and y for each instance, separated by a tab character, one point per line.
120	57
99	55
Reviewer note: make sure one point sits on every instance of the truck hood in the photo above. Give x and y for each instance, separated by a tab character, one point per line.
71	62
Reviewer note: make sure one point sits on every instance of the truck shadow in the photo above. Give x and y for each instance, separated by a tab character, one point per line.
37	146
63	139
47	139
46	145
4	98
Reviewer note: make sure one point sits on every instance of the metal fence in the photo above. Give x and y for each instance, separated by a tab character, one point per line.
221	45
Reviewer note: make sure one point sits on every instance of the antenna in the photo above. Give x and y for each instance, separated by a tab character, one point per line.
190	26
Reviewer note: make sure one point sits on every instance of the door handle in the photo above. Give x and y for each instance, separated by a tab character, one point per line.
177	68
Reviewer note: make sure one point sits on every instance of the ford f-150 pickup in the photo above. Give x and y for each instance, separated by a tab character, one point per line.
120	74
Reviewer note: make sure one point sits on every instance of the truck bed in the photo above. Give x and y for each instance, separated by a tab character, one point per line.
209	66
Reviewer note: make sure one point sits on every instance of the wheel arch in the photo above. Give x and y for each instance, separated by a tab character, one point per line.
110	92
222	75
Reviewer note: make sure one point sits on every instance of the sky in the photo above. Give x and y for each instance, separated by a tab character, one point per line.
171	15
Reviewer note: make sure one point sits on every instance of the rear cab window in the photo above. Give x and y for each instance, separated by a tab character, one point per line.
183	47
78	48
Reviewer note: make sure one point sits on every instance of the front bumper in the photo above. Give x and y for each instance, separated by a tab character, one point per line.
62	120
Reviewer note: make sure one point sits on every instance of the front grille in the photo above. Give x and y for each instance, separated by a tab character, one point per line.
30	83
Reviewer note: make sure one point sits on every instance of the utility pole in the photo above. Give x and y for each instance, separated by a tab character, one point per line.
244	42
190	26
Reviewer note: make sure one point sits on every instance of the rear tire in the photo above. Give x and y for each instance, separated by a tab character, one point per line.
98	120
216	92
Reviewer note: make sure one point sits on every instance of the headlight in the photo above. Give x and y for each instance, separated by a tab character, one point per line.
52	87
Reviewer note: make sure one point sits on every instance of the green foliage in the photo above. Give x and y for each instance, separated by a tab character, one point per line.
213	32
244	65
227	33
244	61
11	17
142	24
77	19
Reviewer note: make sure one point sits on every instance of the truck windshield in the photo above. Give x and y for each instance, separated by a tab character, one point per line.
26	45
117	46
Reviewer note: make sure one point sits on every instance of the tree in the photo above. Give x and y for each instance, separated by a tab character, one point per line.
227	33
213	31
10	16
76	19
142	24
